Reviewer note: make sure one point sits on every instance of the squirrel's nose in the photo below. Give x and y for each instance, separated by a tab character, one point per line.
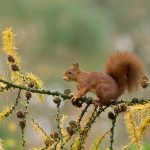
64	78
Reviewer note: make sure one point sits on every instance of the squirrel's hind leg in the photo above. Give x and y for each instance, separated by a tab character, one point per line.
97	102
106	92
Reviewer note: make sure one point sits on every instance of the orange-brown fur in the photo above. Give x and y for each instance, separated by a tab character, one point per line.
123	70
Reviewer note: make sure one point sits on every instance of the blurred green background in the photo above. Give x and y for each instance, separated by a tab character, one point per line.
52	34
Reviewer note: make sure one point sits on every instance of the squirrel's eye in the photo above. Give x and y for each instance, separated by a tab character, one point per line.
69	72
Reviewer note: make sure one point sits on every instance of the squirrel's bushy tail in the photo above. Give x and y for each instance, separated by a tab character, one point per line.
126	69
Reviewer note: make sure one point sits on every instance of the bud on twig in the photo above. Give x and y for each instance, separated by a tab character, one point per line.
22	124
57	100
111	115
52	135
123	107
55	135
20	114
14	67
47	142
70	131
10	58
72	123
76	103
31	84
67	91
28	94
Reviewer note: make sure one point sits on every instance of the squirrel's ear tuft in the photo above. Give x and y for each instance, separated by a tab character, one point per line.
76	65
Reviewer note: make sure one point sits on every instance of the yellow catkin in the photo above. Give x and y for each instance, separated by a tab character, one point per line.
38	83
1	118
97	142
16	77
76	143
59	146
145	123
9	46
33	78
1	145
3	76
38	148
141	110
2	85
6	110
126	147
63	130
37	128
132	129
65	134
140	107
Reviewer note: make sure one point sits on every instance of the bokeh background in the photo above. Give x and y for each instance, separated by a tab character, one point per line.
52	34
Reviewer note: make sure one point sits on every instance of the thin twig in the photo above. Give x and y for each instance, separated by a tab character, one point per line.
23	139
14	105
64	96
25	119
112	132
59	129
83	112
88	125
41	91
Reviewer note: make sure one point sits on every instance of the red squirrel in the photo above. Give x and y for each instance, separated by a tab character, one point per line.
122	70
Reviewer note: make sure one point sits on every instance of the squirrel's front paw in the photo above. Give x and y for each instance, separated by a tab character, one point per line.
75	101
75	98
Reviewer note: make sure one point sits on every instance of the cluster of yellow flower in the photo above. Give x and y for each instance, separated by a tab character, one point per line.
51	139
14	61
137	127
4	113
1	145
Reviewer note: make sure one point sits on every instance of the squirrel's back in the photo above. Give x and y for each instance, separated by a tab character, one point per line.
126	69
